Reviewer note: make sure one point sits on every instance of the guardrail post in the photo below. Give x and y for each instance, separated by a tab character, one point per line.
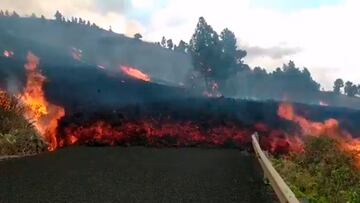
282	190
265	179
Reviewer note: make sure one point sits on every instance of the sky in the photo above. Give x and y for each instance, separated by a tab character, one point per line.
322	35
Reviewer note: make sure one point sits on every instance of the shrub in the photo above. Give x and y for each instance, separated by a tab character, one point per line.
17	135
323	173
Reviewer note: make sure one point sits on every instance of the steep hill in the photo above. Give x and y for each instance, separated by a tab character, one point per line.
55	41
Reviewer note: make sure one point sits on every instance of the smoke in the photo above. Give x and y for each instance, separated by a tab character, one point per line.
275	52
99	48
111	13
13	85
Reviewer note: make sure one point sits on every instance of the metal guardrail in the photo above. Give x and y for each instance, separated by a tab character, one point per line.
282	190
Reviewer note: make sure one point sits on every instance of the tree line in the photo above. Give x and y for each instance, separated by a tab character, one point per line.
349	88
7	13
75	20
58	18
217	58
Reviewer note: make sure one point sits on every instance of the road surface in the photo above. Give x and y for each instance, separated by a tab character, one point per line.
134	174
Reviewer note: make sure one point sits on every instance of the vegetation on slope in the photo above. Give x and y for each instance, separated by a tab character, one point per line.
323	173
17	135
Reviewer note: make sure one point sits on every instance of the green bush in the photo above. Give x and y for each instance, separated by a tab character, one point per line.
323	173
17	135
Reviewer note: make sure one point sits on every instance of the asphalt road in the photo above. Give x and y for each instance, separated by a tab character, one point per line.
135	174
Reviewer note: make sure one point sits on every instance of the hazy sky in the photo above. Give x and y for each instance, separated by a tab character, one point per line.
323	35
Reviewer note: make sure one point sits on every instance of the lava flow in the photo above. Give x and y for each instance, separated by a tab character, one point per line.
155	133
135	73
44	114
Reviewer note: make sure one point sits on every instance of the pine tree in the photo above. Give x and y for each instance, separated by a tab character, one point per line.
338	84
163	42
58	16
15	15
205	50
170	44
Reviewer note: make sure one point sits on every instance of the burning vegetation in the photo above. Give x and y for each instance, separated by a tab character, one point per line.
167	129
135	73
17	135
329	128
326	146
43	114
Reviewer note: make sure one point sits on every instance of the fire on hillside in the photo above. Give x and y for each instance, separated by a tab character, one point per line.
61	129
135	73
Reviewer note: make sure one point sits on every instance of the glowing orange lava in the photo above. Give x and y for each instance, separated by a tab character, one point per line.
135	73
154	133
44	114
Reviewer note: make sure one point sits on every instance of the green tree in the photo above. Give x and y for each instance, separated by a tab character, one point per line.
338	84
182	47
231	56
163	42
15	15
58	16
170	44
350	89
215	57
138	36
205	50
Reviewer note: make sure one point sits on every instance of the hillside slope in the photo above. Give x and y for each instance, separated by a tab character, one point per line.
53	40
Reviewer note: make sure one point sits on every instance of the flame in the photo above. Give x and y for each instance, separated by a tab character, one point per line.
8	54
135	73
330	127
44	114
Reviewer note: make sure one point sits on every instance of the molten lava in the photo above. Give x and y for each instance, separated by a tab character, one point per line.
154	133
135	73
44	114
